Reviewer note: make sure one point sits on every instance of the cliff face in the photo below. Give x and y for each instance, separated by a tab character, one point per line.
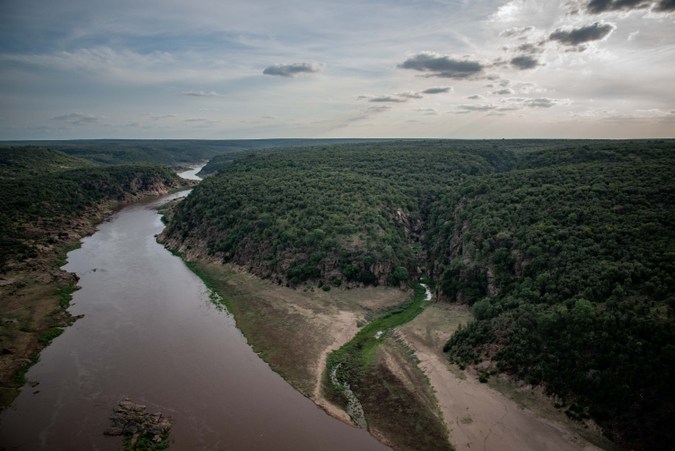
345	261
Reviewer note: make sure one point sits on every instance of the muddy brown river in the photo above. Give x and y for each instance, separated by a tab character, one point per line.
151	333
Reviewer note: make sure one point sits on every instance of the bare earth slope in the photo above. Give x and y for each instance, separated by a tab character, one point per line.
477	416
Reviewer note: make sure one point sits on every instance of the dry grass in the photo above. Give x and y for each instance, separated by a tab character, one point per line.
294	329
30	314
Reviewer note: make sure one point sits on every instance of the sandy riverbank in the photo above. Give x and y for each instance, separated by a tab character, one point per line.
478	416
295	329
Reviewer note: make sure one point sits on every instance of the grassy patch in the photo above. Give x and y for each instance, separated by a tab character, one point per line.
46	337
359	350
65	295
145	444
390	407
62	259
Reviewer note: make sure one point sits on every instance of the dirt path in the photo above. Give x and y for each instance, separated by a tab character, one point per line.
344	325
477	416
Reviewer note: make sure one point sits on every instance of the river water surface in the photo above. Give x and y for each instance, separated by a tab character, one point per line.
150	333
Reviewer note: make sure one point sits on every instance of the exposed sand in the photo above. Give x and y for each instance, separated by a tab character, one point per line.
477	416
344	325
294	330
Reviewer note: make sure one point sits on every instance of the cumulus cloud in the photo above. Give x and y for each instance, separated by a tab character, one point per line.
476	97
292	70
524	62
442	66
530	48
601	6
503	92
437	90
665	6
387	99
78	118
578	36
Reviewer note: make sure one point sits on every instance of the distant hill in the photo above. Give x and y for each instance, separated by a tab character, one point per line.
163	151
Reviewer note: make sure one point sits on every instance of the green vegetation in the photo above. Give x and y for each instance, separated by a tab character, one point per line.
43	192
331	214
144	443
387	403
48	201
163	151
564	249
358	352
570	273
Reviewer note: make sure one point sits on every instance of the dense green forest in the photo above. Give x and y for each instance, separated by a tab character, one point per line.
564	249
41	191
570	272
163	151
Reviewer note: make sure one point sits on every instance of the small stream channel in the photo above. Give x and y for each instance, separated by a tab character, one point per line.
150	332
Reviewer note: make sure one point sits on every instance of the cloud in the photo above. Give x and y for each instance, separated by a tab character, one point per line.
530	48
476	97
78	118
524	62
400	97
410	95
503	92
515	32
477	107
427	111
601	6
292	70
387	99
542	102
201	94
437	90
442	66
577	36
665	6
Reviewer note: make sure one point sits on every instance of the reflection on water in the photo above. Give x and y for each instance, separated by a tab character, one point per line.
151	333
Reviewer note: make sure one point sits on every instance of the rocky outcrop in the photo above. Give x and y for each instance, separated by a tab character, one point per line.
132	420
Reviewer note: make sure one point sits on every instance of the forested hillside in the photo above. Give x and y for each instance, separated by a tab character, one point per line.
564	249
42	190
570	273
330	214
170	152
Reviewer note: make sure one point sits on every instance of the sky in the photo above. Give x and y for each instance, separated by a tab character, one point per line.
219	69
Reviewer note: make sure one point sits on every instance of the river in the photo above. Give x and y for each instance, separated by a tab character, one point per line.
151	333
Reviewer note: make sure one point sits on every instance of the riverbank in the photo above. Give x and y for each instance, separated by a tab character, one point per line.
407	376
495	415
36	293
294	330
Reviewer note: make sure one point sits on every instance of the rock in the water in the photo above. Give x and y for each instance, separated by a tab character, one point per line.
132	420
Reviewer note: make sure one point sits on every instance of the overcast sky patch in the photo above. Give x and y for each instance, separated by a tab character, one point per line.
201	94
78	118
